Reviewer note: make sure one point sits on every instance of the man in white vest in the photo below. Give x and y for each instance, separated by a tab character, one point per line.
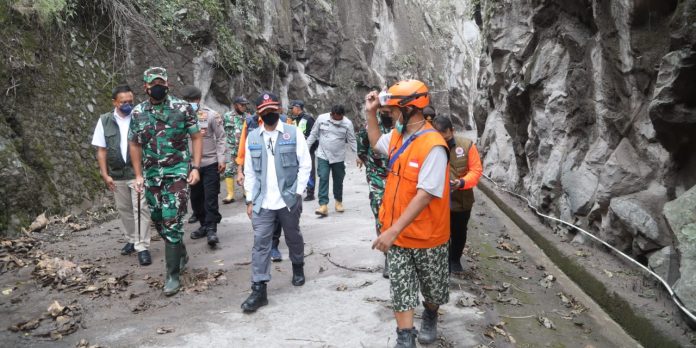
276	171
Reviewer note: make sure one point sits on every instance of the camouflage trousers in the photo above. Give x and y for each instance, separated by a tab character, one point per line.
167	201
375	203
411	269
230	169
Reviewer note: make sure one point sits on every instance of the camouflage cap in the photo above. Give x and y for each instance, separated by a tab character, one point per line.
154	73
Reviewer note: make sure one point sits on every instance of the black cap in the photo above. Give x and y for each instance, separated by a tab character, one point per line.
297	102
189	92
267	100
240	100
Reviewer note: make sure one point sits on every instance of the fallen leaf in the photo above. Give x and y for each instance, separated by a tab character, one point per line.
547	281
467	301
39	223
7	292
55	309
609	274
546	322
165	330
342	287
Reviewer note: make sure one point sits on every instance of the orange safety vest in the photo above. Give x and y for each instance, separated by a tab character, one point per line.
431	227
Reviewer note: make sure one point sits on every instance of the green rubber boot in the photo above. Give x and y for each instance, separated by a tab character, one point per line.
175	257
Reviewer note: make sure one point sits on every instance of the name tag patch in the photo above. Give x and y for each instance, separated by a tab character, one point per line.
413	164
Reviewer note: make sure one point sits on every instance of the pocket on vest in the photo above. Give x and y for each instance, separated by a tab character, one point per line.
256	160
288	157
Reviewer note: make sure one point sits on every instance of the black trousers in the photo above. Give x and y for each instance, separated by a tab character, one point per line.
204	196
458	222
277	228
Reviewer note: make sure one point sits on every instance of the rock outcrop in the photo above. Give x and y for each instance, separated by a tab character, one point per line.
588	108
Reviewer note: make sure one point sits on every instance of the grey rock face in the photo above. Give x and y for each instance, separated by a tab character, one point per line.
663	262
681	217
576	116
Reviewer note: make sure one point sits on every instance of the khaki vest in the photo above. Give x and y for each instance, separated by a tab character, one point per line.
461	200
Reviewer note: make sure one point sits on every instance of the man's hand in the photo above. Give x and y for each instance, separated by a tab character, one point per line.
385	239
109	181
372	101
359	162
139	183
240	177
250	209
194	177
221	167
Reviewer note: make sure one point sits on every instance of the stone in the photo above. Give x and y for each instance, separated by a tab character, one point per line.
664	263
624	172
580	186
681	218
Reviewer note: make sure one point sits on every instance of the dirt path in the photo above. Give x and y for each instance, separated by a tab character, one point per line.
501	302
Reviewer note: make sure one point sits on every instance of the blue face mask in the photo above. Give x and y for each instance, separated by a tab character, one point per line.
194	106
126	108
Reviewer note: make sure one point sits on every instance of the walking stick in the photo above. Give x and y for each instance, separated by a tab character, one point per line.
138	214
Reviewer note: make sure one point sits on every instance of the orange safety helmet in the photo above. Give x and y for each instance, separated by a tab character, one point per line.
406	93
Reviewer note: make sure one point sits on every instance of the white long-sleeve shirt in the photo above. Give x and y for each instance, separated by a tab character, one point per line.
333	136
273	199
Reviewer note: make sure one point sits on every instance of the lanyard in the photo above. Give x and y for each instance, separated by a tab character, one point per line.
393	158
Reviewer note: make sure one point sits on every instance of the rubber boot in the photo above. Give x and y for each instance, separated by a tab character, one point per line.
257	299
184	259
174	256
212	235
298	278
323	210
428	330
406	338
229	183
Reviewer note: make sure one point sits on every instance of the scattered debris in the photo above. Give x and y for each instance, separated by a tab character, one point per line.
498	330
199	279
609	274
508	299
507	246
85	344
342	287
544	321
510	259
355	269
165	330
63	274
38	224
17	253
547	280
58	321
571	302
467	301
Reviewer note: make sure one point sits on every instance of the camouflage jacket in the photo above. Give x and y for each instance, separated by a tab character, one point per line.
233	124
163	131
375	163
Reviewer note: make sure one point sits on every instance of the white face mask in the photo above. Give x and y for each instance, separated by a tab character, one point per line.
194	106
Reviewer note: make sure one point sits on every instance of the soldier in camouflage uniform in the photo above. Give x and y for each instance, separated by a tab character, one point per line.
233	122
158	135
375	171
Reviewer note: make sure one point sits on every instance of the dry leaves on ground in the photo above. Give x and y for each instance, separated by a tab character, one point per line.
467	301
56	322
17	253
498	330
546	322
85	344
85	278
164	330
547	281
199	279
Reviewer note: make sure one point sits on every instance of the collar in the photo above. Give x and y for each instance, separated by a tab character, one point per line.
279	127
118	117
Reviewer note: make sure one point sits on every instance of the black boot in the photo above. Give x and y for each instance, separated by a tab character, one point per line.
212	235
200	232
298	278
174	256
257	299
455	266
428	330
406	338
310	196
193	219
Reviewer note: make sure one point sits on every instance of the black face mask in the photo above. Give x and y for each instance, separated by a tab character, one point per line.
451	143
386	120
271	119
158	92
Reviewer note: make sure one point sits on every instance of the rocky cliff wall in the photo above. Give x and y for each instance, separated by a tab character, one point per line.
588	108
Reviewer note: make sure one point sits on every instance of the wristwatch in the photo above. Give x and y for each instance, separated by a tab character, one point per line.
198	168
